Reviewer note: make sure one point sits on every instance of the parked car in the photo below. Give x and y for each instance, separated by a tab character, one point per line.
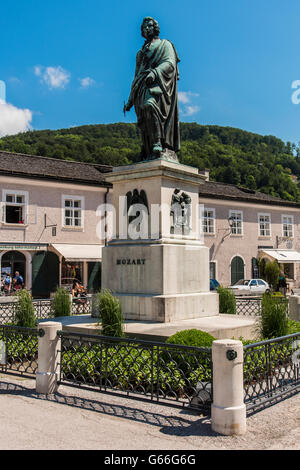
213	284
250	286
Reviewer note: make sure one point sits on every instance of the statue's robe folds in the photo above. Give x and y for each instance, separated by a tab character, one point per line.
156	106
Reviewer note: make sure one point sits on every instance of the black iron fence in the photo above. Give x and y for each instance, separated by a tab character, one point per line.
43	308
271	370
250	306
171	374
19	349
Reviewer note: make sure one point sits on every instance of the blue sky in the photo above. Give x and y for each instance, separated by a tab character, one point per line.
71	62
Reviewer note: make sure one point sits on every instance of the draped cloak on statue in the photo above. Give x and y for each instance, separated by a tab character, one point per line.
156	106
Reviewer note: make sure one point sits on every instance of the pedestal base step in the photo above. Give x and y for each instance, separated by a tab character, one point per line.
168	308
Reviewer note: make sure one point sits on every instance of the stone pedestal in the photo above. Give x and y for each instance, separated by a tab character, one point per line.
163	276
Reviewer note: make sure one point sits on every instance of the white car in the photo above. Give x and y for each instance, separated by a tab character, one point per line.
250	286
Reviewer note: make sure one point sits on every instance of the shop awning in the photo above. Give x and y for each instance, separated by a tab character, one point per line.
79	252
283	256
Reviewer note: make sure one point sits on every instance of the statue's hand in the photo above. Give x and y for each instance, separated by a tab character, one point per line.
150	79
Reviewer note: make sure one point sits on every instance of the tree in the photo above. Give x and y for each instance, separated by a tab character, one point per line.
234	156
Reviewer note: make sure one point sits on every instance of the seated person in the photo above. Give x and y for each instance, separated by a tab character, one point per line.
6	283
18	282
79	292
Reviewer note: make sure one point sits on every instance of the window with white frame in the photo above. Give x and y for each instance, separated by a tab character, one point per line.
73	211
208	221
212	270
236	222
288	226
14	206
264	223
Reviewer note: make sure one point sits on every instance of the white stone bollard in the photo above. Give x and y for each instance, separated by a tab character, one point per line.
228	411
48	358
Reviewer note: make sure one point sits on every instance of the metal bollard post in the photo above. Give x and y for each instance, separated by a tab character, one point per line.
228	411
48	360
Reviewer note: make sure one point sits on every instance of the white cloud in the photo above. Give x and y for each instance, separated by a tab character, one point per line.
86	82
38	70
54	77
2	91
186	98
190	110
13	120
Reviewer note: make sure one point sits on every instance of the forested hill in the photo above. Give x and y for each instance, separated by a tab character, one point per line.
263	163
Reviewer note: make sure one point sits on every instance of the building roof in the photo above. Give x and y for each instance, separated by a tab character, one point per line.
213	190
33	166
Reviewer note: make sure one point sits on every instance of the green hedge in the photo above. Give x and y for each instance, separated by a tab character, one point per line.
227	302
19	346
273	321
129	367
25	315
192	337
61	303
111	317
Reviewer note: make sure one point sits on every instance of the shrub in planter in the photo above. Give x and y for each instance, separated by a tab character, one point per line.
227	302
25	315
61	303
110	314
192	337
272	272
274	317
196	364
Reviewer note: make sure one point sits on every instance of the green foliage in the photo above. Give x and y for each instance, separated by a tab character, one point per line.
110	314
272	272
273	321
61	303
197	365
227	302
25	310
131	368
261	267
192	337
293	327
261	362
262	163
21	347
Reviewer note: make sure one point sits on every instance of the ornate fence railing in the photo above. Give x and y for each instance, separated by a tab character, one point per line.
19	349
248	306
172	374
271	370
251	306
81	308
43	309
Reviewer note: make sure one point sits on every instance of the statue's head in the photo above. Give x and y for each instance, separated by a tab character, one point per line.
150	27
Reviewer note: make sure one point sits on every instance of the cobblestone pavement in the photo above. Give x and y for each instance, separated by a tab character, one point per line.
79	419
